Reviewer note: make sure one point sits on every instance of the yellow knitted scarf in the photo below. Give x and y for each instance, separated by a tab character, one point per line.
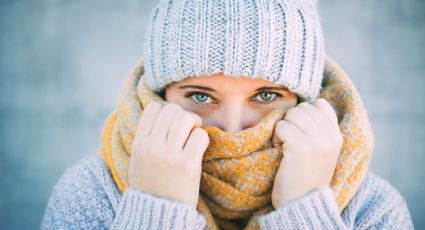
238	170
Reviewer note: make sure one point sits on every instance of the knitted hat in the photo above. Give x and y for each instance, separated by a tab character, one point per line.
277	40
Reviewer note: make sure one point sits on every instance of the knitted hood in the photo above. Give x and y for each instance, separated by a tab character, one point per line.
238	169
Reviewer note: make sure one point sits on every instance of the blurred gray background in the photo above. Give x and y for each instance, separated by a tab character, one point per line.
62	64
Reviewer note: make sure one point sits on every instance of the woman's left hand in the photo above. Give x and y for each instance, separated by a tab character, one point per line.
311	142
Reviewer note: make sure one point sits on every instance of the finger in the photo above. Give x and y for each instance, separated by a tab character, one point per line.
275	139
285	131
164	119
315	113
196	144
302	120
327	110
147	119
180	128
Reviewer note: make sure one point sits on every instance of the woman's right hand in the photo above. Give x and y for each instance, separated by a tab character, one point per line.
167	151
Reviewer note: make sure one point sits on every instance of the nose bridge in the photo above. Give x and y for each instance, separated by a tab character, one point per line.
232	118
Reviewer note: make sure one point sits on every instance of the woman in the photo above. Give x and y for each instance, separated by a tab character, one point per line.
226	130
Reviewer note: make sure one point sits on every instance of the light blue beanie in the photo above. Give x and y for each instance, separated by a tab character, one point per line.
277	40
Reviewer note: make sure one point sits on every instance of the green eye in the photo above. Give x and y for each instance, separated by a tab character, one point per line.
265	97
200	98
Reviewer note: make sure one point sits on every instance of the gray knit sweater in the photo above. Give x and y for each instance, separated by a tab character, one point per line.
86	197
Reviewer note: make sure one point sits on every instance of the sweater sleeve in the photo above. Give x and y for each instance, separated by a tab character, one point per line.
140	210
80	200
315	210
378	206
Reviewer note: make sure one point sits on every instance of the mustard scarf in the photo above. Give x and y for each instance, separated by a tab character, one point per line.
238	170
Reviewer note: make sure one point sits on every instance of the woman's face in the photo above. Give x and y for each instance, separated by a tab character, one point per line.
230	103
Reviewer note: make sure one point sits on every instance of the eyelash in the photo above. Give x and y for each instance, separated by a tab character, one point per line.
190	94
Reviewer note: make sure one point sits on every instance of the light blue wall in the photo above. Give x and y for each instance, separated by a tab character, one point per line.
63	63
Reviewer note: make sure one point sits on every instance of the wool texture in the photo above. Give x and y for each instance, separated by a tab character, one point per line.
238	169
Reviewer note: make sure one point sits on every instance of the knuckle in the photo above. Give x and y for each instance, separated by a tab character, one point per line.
182	121
291	113
322	101
303	104
197	132
200	133
179	118
204	135
172	107
281	125
186	117
195	116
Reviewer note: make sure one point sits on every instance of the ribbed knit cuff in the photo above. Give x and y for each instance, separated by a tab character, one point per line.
140	210
315	210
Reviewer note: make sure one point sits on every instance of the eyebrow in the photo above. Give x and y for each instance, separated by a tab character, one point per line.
212	90
196	87
272	88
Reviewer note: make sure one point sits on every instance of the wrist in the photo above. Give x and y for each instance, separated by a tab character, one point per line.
284	199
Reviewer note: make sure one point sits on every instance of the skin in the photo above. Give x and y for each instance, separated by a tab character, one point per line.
169	143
